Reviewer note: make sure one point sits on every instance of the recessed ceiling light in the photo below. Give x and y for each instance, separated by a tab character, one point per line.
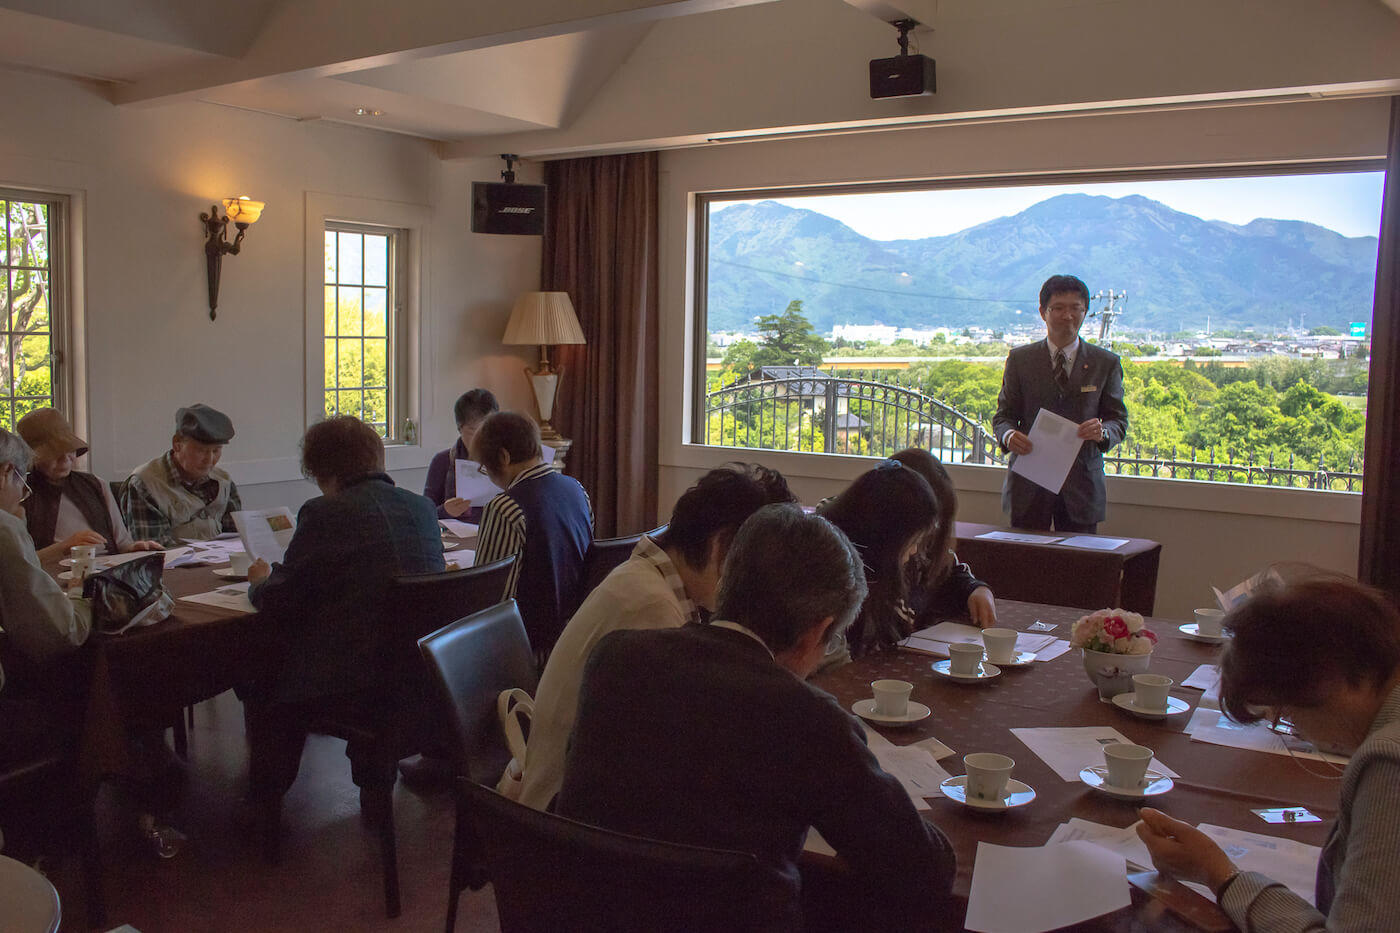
367	112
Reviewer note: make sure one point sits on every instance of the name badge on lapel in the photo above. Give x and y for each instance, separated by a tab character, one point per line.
1088	388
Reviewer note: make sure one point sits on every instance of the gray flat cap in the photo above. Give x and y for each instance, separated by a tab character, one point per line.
204	424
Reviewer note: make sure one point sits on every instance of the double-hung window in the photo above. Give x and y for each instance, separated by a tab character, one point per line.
33	322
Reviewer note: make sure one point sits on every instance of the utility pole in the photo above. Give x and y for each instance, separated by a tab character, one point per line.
1109	313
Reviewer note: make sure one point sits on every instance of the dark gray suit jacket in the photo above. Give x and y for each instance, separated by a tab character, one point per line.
1095	391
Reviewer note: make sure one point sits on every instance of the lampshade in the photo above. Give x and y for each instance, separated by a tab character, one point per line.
243	209
543	318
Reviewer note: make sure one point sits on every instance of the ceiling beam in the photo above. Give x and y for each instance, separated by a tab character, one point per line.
327	38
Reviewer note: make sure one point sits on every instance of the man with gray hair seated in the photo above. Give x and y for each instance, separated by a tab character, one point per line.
711	736
183	493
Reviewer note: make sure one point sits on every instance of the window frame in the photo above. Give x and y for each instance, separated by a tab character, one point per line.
62	327
693	434
396	412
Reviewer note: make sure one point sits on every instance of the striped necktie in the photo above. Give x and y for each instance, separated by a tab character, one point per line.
1061	374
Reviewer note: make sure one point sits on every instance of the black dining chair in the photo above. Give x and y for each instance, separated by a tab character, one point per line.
605	555
472	661
399	716
552	873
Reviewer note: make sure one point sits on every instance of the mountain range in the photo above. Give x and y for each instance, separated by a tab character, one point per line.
1177	269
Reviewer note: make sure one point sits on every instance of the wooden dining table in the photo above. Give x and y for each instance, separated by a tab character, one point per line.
1217	784
149	675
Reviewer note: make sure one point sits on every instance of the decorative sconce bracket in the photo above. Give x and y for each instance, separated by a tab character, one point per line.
216	242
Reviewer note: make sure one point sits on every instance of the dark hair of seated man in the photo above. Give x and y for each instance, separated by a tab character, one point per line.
507	431
718	504
342	449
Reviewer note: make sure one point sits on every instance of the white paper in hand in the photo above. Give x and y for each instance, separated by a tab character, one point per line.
473	484
1054	445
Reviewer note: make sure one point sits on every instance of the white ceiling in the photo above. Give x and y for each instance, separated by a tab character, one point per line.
553	76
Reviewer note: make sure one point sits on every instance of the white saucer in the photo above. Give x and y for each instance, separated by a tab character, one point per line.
985	671
1020	659
1191	631
67	574
1018	794
1128	703
865	709
1097	778
228	573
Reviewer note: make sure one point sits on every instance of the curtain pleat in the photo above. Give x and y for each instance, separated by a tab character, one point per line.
600	246
1379	561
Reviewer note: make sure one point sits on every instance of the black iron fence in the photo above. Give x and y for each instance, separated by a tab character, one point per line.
854	414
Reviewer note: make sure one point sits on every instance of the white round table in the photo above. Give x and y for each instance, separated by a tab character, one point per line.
31	903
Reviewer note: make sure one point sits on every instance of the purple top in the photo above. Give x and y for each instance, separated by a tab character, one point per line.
442	481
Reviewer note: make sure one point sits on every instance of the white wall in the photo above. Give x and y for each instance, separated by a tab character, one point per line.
1211	534
141	176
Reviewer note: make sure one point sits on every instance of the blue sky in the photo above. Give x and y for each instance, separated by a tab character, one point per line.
1348	203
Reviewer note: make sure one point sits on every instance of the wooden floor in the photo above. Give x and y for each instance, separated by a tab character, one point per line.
330	876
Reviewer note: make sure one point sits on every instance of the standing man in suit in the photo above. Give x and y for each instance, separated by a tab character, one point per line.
1073	379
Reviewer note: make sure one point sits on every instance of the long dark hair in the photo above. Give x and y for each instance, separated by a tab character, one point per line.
935	558
881	512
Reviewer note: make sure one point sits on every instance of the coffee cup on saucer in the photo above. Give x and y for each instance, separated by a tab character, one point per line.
1150	691
964	659
1001	644
1208	622
987	775
239	562
84	557
1127	764
891	697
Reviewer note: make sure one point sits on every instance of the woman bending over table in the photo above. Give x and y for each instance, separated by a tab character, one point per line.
68	507
888	513
941	587
1323	654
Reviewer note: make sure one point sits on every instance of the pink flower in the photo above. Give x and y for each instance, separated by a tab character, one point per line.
1149	635
1116	628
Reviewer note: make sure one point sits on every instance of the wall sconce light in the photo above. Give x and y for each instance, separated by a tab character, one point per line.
243	211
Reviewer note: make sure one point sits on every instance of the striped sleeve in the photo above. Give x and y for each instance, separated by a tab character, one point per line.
502	534
1368	884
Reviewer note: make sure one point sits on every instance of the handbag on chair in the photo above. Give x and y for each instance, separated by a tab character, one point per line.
512	706
129	594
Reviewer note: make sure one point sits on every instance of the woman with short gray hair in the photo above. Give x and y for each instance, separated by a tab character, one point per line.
40	621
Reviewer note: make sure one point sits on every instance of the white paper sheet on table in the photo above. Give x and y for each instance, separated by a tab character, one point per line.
234	597
934	747
172	555
1050	652
460	529
1203	678
1027	890
1213	726
1095	543
266	532
200	553
1017	537
1124	842
1290	863
935	639
1055	444
1069	750
462	558
916	770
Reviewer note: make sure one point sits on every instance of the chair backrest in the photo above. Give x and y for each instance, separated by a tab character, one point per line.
605	555
552	873
417	604
471	661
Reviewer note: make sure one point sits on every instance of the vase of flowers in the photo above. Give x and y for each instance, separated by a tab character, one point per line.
1116	645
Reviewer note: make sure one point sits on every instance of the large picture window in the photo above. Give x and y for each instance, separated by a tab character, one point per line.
32	312
362	369
863	320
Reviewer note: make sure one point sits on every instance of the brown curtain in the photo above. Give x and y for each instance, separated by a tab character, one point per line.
1380	495
600	246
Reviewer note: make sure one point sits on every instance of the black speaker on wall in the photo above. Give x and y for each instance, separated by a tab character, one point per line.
902	76
511	209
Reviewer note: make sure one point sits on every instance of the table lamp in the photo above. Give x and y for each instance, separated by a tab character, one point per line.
543	319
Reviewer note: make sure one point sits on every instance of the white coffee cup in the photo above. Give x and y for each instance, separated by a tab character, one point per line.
84	557
1001	644
1208	621
1127	765
987	774
240	561
1150	691
891	697
964	659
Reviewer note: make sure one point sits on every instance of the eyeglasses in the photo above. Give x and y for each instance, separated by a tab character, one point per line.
23	483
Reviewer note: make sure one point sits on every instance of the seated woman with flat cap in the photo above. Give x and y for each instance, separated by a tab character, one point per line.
1324	655
68	507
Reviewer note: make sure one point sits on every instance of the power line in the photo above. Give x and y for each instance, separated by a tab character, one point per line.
865	288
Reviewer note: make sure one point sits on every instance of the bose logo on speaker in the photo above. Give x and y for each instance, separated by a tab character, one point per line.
517	210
